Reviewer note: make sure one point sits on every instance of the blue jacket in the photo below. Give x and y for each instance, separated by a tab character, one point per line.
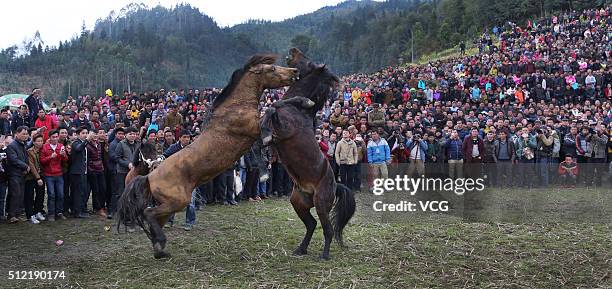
423	148
379	152
453	149
174	148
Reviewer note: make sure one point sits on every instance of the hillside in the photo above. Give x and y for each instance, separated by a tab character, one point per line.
147	48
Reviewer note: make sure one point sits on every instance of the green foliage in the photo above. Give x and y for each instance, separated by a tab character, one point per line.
180	47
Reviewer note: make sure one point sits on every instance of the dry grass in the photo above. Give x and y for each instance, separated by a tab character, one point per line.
250	246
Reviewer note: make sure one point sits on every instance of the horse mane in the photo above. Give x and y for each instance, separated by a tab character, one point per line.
239	73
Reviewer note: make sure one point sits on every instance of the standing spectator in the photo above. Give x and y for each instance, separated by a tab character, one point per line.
45	123
66	120
597	154
34	103
82	121
95	176
362	152
190	216
5	123
224	186
17	168
52	156
490	157
505	156
65	140
544	149
112	169
252	161
525	145
346	157
379	155
78	172
583	146
417	149
281	182
3	176
376	118
22	118
34	187
173	120
124	154
453	149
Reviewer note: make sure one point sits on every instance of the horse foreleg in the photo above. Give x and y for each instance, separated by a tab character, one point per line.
266	123
302	204
323	201
297	101
157	217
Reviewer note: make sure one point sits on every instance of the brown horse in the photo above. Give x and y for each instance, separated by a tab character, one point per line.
230	132
291	121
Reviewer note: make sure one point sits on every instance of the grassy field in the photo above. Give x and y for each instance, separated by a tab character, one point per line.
250	246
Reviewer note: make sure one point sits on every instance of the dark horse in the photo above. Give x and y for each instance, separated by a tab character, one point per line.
290	121
232	129
145	160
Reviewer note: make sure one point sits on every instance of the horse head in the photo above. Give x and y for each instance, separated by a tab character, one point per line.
297	59
260	73
149	157
318	86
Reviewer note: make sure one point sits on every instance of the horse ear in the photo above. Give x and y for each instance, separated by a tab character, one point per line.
321	66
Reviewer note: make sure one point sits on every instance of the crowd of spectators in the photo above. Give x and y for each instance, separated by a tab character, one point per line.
533	106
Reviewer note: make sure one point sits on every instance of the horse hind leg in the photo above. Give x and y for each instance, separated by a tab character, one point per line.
323	201
302	205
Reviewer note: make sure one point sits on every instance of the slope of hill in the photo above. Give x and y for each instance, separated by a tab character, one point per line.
141	48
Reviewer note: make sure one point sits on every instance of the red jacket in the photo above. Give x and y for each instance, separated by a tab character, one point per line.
324	148
52	167
48	122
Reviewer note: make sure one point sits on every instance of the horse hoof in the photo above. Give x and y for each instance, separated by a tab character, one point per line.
299	252
324	257
161	255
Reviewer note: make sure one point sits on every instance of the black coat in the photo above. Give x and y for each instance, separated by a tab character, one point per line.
19	120
17	159
34	104
78	158
5	127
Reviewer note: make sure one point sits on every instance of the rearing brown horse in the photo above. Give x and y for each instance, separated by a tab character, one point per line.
230	132
291	121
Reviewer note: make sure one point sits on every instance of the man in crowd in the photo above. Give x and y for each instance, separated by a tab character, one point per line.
17	169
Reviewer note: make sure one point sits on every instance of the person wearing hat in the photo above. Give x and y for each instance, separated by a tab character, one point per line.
66	120
376	118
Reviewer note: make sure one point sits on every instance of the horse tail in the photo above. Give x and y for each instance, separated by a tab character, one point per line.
343	210
133	202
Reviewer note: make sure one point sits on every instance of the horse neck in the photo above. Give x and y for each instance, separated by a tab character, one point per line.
246	94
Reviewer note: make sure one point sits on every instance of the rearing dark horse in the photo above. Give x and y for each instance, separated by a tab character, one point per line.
290	121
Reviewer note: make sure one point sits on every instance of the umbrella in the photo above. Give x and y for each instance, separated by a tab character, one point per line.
13	101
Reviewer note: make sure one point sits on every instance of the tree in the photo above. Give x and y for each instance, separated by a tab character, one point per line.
302	42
